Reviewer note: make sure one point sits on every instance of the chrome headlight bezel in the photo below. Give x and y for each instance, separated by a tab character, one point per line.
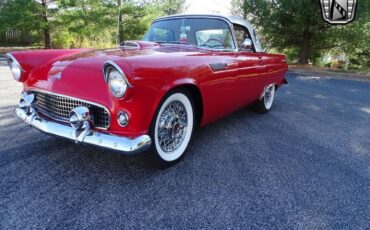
15	67
116	79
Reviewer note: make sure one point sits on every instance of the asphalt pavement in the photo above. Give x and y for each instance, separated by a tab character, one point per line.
304	165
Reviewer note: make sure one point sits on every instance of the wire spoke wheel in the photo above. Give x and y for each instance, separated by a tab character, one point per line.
173	127
173	123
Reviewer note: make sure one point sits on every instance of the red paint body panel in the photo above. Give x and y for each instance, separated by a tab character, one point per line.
153	70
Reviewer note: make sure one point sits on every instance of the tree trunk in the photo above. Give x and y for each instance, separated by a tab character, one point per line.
47	39
347	62
245	10
120	27
304	52
47	36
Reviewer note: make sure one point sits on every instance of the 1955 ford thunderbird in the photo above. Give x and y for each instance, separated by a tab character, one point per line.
188	71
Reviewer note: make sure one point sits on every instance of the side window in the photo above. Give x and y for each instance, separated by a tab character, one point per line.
241	34
162	35
215	39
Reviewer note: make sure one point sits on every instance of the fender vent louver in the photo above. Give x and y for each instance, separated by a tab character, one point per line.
218	66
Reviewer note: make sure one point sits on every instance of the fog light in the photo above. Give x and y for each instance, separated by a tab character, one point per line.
79	116
122	119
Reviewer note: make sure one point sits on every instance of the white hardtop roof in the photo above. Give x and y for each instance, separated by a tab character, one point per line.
233	19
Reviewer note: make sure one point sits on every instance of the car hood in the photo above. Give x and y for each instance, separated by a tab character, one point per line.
83	70
95	59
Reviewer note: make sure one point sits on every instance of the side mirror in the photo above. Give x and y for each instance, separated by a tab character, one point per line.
247	45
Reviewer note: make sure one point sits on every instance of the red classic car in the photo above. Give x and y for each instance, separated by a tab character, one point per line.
188	71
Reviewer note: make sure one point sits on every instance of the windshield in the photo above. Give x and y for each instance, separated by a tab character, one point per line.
206	32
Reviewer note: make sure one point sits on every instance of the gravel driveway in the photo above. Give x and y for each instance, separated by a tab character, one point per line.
305	165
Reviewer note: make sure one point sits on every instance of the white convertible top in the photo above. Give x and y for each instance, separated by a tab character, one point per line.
232	19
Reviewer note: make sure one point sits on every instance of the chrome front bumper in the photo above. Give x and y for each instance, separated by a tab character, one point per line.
121	144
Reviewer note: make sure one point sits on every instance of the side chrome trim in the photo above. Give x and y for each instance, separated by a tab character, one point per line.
124	145
77	99
112	63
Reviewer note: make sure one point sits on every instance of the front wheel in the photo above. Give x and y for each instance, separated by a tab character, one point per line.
172	128
265	103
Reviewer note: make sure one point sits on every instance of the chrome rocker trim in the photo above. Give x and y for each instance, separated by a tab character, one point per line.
123	145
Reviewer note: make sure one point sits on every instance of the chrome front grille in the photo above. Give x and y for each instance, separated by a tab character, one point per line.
58	107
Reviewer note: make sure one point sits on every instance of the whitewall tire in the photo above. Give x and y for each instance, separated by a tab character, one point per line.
264	105
172	128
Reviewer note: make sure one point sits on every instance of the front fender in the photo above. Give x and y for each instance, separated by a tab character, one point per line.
144	102
30	60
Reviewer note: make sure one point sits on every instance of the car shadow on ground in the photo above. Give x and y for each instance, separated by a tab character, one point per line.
37	144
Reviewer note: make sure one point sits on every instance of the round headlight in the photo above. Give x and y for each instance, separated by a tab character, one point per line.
16	69
116	82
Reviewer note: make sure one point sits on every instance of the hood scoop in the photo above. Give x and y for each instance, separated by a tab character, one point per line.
130	46
138	45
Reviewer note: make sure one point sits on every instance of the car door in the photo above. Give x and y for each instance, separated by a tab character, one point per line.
221	85
251	68
251	72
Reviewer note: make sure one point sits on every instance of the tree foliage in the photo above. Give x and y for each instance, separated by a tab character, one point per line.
170	7
353	39
13	14
297	25
83	23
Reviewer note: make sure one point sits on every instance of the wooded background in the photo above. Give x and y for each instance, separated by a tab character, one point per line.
294	27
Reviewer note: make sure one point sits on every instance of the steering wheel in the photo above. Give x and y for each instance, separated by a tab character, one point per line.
213	40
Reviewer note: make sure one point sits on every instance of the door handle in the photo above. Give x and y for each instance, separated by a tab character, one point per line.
261	60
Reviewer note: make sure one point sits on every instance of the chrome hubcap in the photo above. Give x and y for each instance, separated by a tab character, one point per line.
172	128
